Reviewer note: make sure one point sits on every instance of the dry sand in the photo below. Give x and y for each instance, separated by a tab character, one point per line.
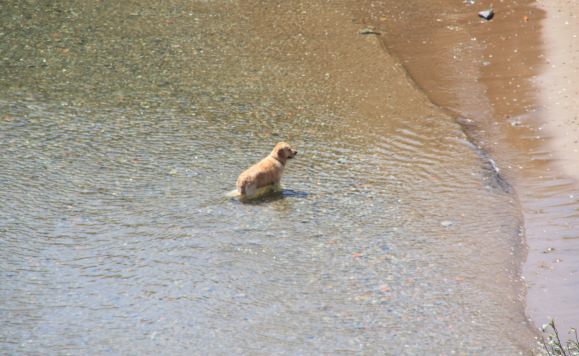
560	83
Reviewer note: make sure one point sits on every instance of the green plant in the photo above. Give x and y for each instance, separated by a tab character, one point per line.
553	344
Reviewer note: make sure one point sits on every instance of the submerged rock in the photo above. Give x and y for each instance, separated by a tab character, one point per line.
446	223
369	31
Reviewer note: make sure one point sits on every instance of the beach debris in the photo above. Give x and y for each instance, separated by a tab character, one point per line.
369	30
469	2
487	14
549	250
525	18
446	223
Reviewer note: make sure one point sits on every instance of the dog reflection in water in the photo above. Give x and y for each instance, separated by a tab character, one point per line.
264	177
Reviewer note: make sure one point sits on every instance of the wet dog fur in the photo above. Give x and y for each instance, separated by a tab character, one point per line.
266	173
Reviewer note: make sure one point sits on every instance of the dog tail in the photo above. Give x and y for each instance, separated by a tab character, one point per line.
232	194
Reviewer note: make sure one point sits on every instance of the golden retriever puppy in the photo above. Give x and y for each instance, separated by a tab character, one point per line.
266	173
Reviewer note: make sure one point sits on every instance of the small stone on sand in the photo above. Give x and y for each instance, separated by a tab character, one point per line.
487	14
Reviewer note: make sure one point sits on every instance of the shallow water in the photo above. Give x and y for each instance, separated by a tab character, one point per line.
123	128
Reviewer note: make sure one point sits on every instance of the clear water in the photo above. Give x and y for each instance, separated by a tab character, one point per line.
124	126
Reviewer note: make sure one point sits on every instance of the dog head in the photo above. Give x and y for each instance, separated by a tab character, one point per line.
283	151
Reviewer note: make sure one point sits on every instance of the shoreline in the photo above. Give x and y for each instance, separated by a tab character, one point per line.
361	73
493	74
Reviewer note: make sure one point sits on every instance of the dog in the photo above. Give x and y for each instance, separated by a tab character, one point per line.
266	174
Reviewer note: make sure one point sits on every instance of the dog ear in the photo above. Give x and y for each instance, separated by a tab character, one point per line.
281	153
